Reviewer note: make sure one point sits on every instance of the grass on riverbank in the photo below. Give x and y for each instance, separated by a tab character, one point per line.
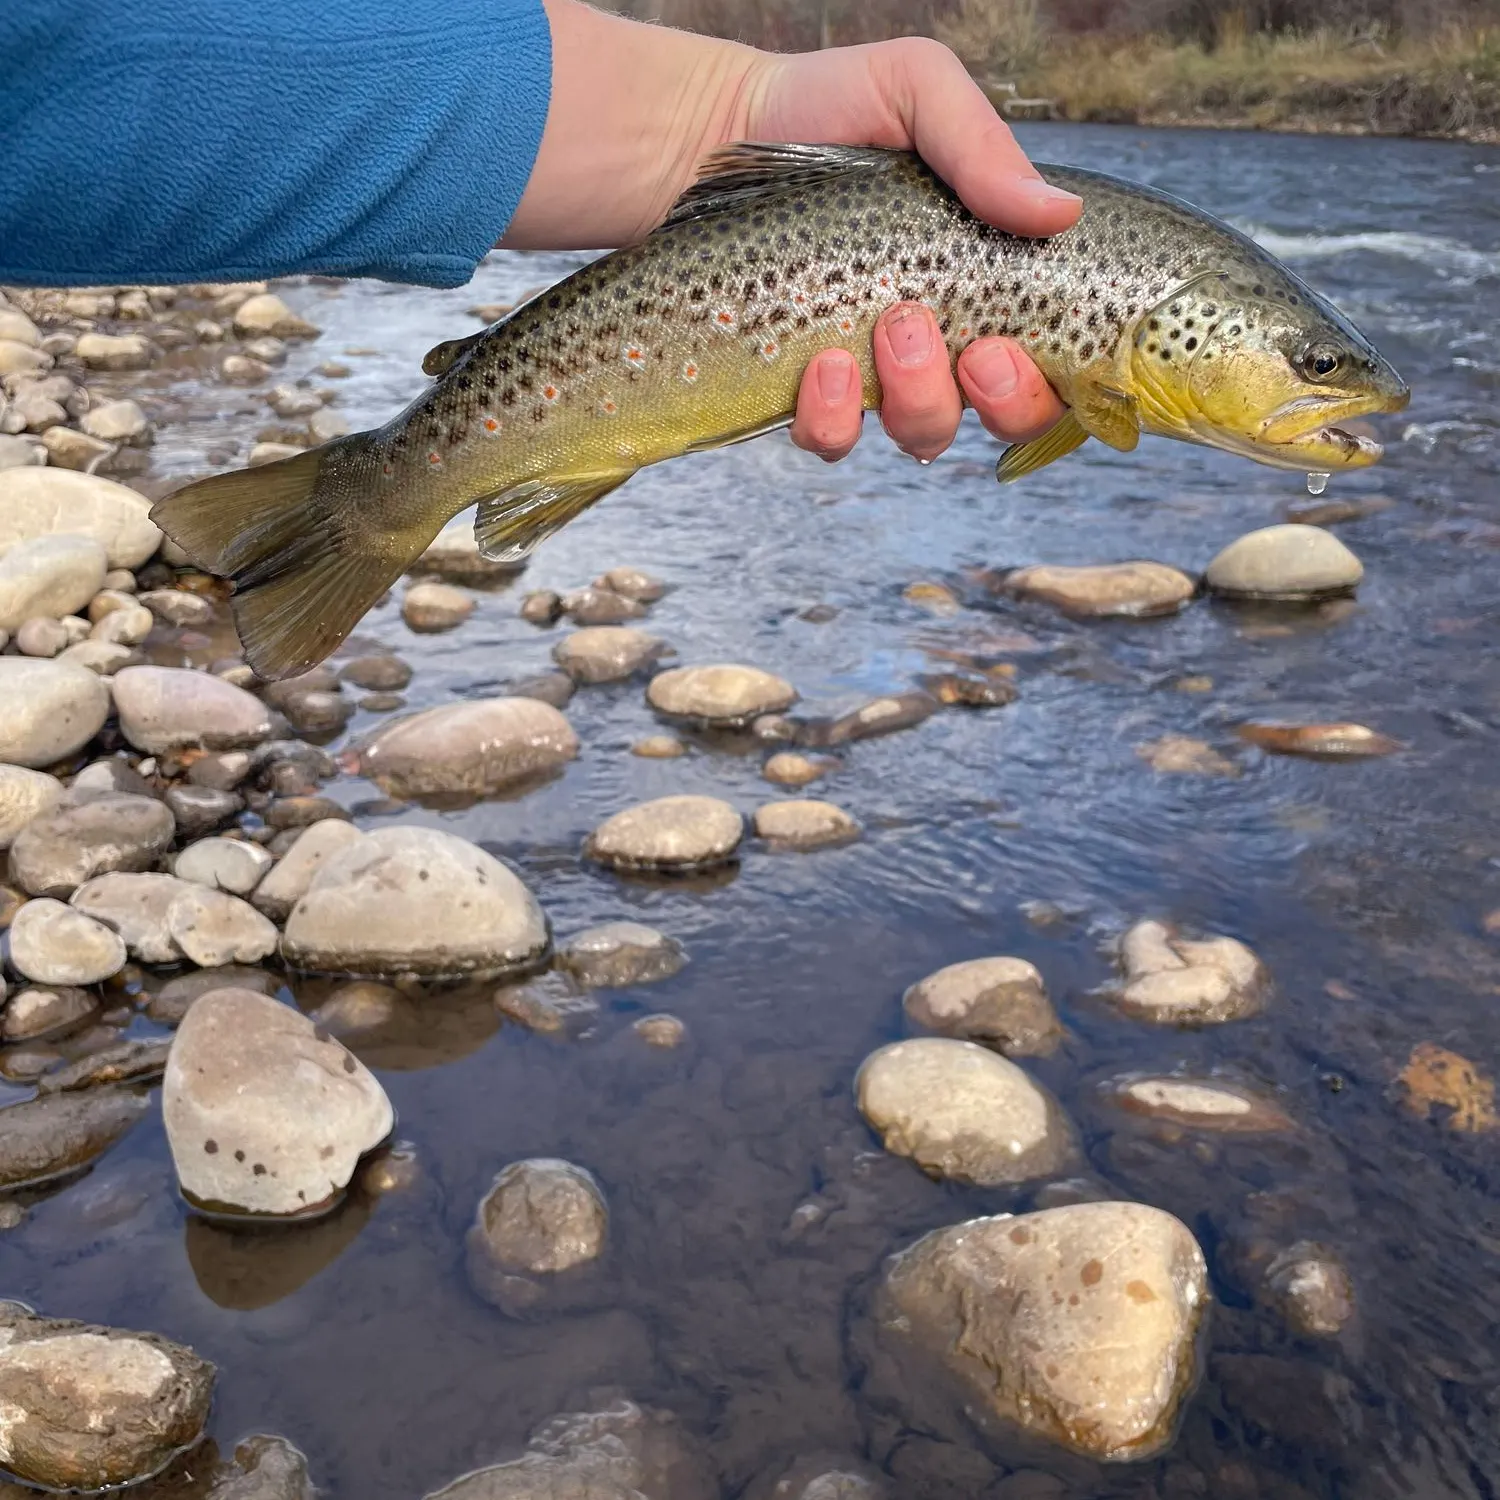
1446	85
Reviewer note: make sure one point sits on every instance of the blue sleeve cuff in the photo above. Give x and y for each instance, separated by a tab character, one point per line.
163	141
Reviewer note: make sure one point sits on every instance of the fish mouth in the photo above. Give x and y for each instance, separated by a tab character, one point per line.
1300	435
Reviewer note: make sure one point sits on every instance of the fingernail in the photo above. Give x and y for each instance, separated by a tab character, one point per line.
1043	192
993	369
835	372
910	331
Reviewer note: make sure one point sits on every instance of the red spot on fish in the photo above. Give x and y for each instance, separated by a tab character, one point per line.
550	393
690	371
435	459
491	425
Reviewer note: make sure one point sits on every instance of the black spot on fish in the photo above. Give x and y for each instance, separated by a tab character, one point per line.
1191	344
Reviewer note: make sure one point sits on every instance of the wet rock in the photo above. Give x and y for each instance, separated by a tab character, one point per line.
382	703
1311	1287
670	833
632	583
469	749
49	575
539	1219
103	658
118	422
432	607
723	696
179	607
787	768
169	708
111	775
1074	1324
271	453
455	556
213	928
377	674
814	1479
45	1011
233	865
543	607
1175	981
41	637
414	901
661	1030
18	453
290	880
1002	1001
287	401
53	1135
1134	589
177	996
67	449
223	771
804	823
128	626
242	369
1320	741
201	809
1181	755
623	1453
606	653
24	795
551	1005
266	313
33	410
292	768
775	729
1199	1104
318	714
1445	1086
42	502
659	747
880	716
962	1112
620	954
600	607
1327	510
264	1468
88	1407
136	906
263	1113
1285	562
53	944
130	1062
556	688
55	853
268	350
110	351
970	689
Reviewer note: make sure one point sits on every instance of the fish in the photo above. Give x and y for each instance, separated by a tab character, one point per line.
1149	315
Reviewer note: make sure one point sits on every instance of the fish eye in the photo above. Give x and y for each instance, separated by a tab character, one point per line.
1321	364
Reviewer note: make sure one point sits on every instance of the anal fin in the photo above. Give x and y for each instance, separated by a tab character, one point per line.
1057	442
743	435
514	522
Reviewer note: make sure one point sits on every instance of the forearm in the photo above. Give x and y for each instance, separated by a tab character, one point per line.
633	107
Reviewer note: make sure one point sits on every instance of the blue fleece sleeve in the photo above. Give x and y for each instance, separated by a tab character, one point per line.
196	140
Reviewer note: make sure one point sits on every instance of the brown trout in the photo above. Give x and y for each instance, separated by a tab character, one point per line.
1148	315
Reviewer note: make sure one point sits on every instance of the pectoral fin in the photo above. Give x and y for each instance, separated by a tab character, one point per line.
511	524
1100	412
1026	458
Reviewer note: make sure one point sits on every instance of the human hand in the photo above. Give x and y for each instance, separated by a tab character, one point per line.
635	107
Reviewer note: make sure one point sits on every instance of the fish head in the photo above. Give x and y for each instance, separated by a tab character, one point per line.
1257	363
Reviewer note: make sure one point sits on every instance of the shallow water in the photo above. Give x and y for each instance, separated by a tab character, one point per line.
1361	885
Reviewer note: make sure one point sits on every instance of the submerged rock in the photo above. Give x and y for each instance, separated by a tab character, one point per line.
1285	562
55	853
880	716
962	1112
414	901
469	749
606	653
1311	1287
48	710
1074	1324
170	708
141	1061
88	1407
1002	1001
620	954
660	1030
53	944
787	768
38	1012
264	1113
670	833
383	674
540	1219
724	696
1320	741
56	1134
1132	589
1199	1103
659	747
1176	981
804	823
1181	755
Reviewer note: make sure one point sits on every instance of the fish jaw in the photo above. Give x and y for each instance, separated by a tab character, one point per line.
1303	435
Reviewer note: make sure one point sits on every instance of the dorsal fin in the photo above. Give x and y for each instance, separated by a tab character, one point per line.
737	174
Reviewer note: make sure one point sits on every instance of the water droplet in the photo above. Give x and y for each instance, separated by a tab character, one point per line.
925	462
1317	483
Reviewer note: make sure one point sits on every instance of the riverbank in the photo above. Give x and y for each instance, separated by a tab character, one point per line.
1446	87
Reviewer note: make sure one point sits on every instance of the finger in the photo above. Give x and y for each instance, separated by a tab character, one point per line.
920	406
1006	389
830	407
957	132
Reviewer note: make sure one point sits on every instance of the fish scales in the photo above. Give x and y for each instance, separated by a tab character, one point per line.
1147	316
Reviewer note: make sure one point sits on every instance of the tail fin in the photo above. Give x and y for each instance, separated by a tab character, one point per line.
288	535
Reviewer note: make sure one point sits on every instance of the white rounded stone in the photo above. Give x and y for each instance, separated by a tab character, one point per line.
48	710
1285	562
723	694
53	944
171	708
683	832
49	575
40	502
24	795
233	865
